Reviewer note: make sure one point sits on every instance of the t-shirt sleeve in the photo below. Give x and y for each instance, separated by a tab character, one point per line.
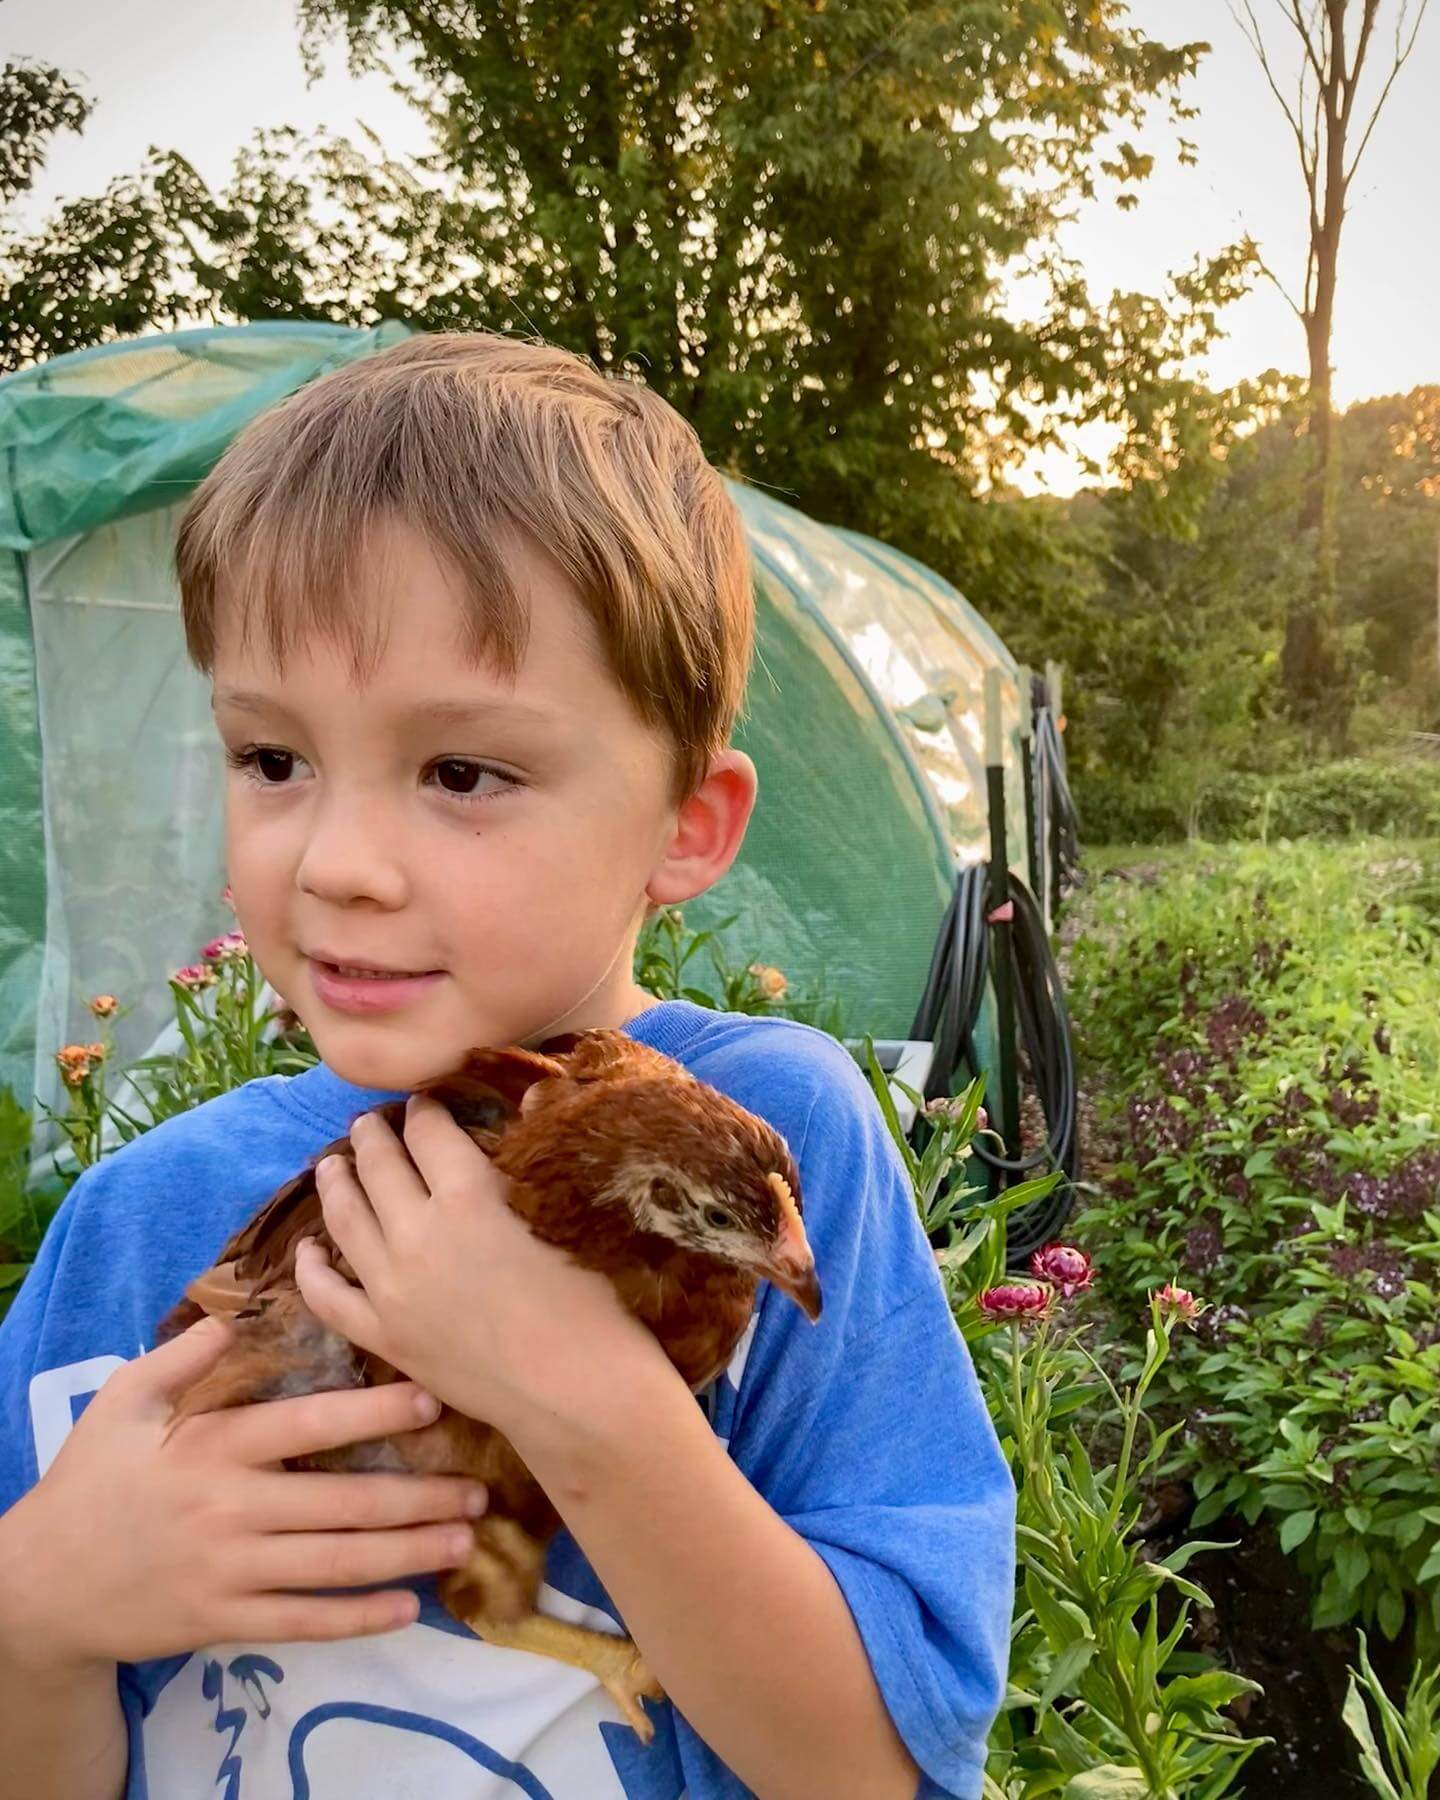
869	1435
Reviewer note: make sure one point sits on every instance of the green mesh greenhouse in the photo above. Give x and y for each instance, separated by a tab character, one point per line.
864	711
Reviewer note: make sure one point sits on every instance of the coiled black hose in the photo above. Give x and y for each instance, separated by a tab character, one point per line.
947	1016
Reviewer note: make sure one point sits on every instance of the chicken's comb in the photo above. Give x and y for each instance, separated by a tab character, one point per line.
789	1211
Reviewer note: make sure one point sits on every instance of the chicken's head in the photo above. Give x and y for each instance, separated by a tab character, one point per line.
729	1192
627	1127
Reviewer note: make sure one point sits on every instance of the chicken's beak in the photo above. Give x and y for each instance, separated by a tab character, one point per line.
797	1278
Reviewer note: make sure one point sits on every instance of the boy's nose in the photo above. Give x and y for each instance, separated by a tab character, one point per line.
350	853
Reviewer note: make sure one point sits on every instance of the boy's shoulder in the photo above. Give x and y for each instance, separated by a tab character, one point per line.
225	1136
798	1078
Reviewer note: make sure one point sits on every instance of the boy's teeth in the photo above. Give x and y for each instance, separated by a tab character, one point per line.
371	974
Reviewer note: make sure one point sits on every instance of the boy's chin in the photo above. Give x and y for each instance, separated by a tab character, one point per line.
396	1067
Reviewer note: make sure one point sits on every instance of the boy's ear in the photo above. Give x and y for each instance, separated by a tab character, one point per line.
709	830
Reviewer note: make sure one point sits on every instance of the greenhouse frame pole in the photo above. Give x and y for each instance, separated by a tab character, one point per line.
1027	776
1000	913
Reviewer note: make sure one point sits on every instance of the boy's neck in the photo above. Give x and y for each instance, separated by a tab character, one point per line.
611	1011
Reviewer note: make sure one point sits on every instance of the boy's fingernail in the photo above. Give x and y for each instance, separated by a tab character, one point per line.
426	1405
476	1502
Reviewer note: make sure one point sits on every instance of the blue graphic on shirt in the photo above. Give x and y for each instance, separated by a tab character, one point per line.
477	1752
246	1671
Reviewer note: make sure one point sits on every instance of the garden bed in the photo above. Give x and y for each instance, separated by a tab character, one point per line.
1260	1047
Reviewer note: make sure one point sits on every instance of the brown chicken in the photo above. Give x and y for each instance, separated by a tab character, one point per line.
617	1155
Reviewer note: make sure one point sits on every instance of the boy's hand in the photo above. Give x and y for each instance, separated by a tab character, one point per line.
456	1290
134	1545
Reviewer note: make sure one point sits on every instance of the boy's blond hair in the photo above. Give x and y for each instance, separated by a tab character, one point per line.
463	437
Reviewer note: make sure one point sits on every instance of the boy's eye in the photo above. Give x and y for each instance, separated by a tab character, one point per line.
274	765
270	768
459	776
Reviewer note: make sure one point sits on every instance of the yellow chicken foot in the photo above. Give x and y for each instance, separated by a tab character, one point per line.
615	1661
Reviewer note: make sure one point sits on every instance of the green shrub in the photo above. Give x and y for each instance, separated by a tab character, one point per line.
1270	1044
1353	798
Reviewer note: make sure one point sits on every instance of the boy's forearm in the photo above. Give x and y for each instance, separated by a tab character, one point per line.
61	1725
737	1617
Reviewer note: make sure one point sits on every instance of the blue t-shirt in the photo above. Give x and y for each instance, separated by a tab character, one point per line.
867	1433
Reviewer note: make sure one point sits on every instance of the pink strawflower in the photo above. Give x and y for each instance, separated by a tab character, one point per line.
1018	1300
227	896
103	1005
194	976
223	949
1178	1303
1069	1268
953	1107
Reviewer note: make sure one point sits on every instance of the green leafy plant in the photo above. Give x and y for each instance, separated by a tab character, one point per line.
1402	1770
663	965
227	1028
1102	1699
26	1207
1266	1023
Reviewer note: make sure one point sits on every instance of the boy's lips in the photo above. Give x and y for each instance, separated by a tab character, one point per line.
360	988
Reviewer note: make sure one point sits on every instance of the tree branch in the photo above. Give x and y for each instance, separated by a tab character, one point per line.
1402	56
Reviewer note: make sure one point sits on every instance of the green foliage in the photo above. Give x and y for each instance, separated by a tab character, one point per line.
1411	1739
26	1208
229	1037
1265	1021
799	223
35	103
1359	797
668	947
1101	1700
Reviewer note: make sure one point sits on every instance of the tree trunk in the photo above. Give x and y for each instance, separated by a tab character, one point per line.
1312	667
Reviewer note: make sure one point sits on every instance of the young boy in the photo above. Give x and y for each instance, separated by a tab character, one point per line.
478	623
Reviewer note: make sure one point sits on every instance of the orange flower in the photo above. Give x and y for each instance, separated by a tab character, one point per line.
103	1005
772	983
74	1062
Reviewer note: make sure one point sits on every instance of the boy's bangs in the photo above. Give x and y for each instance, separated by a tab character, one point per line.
293	576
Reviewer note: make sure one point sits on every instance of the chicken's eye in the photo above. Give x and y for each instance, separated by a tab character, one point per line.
717	1218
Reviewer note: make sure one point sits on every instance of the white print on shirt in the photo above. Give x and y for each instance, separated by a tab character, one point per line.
52	1418
409	1715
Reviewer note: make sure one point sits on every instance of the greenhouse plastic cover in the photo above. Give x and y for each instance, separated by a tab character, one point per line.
863	714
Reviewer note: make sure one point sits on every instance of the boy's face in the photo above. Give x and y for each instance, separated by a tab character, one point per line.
502	853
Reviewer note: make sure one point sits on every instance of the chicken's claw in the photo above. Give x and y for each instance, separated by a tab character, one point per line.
615	1662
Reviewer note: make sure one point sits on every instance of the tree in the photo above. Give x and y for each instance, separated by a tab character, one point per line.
35	103
1332	128
800	222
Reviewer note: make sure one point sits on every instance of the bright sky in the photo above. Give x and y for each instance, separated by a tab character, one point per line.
200	78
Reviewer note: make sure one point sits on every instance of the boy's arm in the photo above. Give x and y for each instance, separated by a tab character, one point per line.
61	1724
737	1617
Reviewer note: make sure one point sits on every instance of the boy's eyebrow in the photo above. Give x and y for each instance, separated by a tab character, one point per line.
441	712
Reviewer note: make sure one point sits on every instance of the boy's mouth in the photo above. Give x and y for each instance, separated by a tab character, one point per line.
358	987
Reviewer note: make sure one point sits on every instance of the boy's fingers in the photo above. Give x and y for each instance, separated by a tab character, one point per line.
391	1182
449	1160
331	1559
294	1619
295	1500
163	1374
332	1299
271	1430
